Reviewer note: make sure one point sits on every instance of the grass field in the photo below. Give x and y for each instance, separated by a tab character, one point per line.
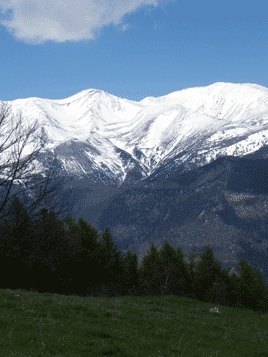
33	325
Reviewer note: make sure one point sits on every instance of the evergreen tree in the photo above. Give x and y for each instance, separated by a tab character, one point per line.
151	272
175	270
209	270
17	233
72	231
235	282
49	250
17	228
130	274
74	236
166	265
192	269
84	273
224	290
112	262
118	268
50	240
251	292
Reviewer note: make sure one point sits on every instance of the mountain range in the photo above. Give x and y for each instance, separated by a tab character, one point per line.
189	168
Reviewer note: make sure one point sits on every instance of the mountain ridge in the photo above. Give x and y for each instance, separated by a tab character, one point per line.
132	166
148	134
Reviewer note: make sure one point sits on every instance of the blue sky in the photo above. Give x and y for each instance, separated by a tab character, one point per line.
129	48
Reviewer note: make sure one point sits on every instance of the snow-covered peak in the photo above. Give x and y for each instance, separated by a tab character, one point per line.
225	100
219	99
207	122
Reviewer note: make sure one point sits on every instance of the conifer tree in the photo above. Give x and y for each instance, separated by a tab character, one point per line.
209	270
119	271
150	273
224	290
167	256
83	274
17	233
73	233
251	292
192	269
49	250
176	275
67	270
112	261
51	238
16	227
130	275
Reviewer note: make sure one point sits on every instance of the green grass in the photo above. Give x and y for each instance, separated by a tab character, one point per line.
33	324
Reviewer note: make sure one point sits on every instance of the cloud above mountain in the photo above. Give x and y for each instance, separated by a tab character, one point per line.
38	21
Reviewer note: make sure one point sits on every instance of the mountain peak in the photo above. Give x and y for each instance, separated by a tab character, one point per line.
204	122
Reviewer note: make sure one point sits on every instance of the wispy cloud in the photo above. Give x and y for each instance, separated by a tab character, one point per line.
37	21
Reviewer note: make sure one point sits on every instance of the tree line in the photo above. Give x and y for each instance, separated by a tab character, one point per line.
45	256
38	252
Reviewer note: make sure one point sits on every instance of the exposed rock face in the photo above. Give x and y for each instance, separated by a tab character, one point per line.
222	205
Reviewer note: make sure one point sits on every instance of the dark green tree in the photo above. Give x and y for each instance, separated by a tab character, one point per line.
112	263
175	270
251	292
192	269
84	273
72	231
209	270
16	227
130	277
16	234
48	251
224	290
151	272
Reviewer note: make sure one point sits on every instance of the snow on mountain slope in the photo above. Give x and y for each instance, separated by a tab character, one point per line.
93	131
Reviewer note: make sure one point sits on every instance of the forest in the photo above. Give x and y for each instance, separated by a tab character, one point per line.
43	256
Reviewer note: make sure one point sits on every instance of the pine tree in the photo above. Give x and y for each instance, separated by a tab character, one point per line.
167	256
16	228
17	233
50	239
192	271
151	272
83	274
175	270
251	292
209	270
49	249
72	231
112	262
130	275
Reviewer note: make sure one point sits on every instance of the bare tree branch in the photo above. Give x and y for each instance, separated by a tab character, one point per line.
18	169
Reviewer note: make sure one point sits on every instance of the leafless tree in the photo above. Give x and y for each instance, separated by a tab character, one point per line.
19	169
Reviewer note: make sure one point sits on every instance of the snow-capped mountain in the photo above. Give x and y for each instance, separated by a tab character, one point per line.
93	132
169	168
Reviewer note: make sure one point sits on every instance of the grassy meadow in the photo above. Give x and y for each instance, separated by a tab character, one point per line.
46	325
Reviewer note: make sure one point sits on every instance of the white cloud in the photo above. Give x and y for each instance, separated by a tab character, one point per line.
37	21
